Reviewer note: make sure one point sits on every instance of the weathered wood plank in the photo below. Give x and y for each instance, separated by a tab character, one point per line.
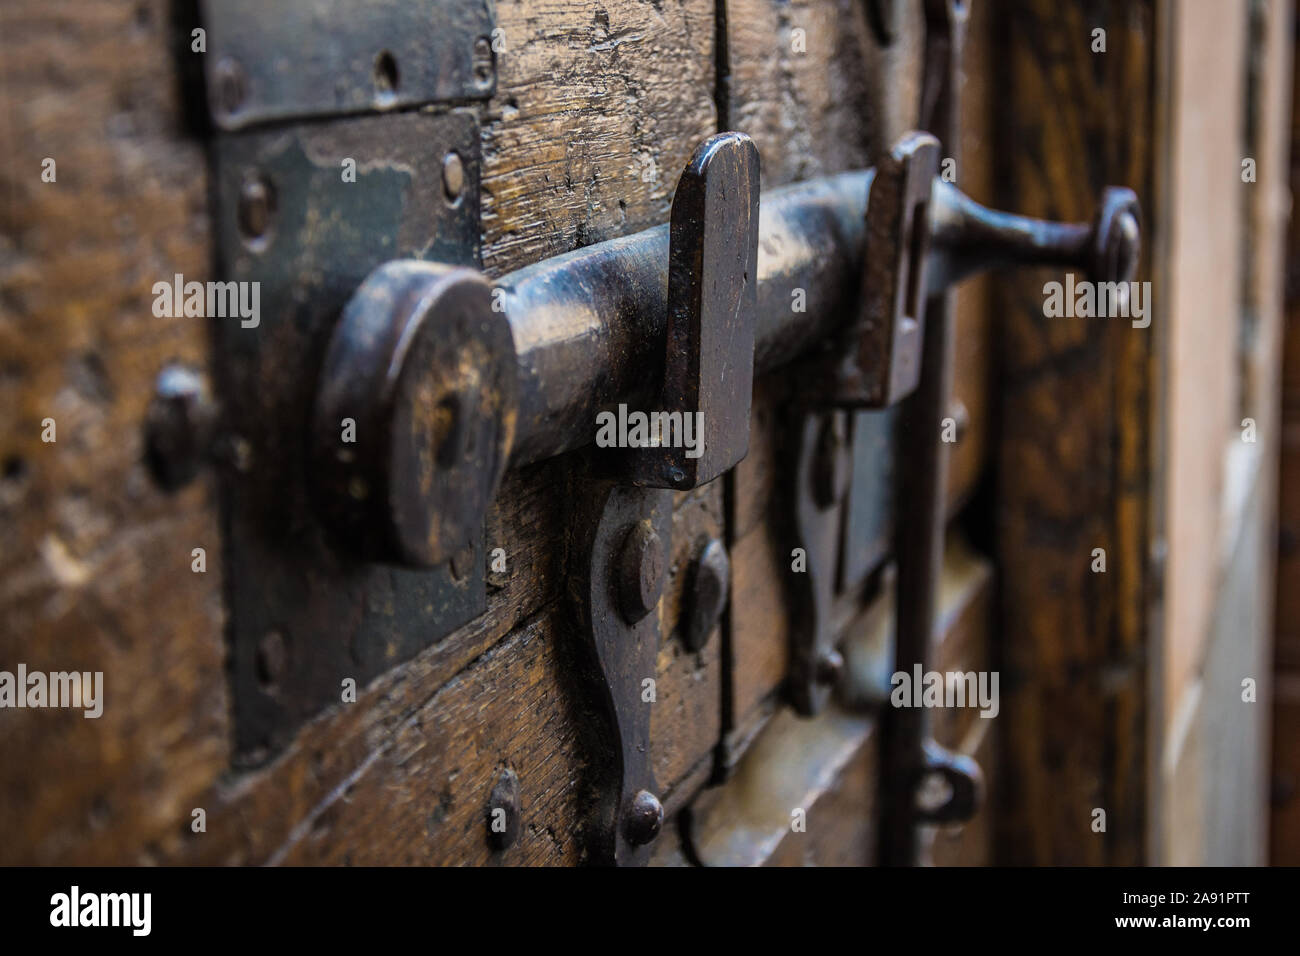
598	109
813	87
95	572
1075	457
101	566
596	112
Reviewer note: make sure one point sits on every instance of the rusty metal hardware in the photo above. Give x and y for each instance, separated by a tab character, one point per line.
621	536
969	238
869	515
923	477
882	349
272	60
503	820
178	426
819	484
710	580
960	789
425	369
309	238
966	238
907	224
590	328
708	368
712	300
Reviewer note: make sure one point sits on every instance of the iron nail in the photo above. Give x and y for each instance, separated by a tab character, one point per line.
178	426
503	811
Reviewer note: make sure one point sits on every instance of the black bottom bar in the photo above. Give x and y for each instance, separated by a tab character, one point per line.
446	908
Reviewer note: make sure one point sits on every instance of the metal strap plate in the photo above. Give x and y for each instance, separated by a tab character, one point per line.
305	614
270	60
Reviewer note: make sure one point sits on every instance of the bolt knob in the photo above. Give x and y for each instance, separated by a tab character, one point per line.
426	372
644	819
1117	233
830	665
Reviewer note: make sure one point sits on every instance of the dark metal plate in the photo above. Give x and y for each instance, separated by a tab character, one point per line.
288	59
304	614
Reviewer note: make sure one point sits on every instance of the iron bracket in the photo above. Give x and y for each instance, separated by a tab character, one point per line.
307	204
621	543
819	486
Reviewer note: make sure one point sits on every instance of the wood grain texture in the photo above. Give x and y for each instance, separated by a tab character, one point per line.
598	109
685	723
1074	458
98	574
814	89
96	561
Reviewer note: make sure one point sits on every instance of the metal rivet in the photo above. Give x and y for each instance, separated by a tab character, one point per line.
503	811
644	819
640	572
453	176
231	86
256	209
830	665
386	77
708	594
178	426
483	61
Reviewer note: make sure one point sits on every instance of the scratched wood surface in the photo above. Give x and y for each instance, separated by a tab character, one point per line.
598	107
94	560
1075	454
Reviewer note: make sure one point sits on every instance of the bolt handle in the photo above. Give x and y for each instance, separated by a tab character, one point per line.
968	238
879	361
712	310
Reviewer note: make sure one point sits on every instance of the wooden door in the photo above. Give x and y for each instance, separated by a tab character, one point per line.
273	694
